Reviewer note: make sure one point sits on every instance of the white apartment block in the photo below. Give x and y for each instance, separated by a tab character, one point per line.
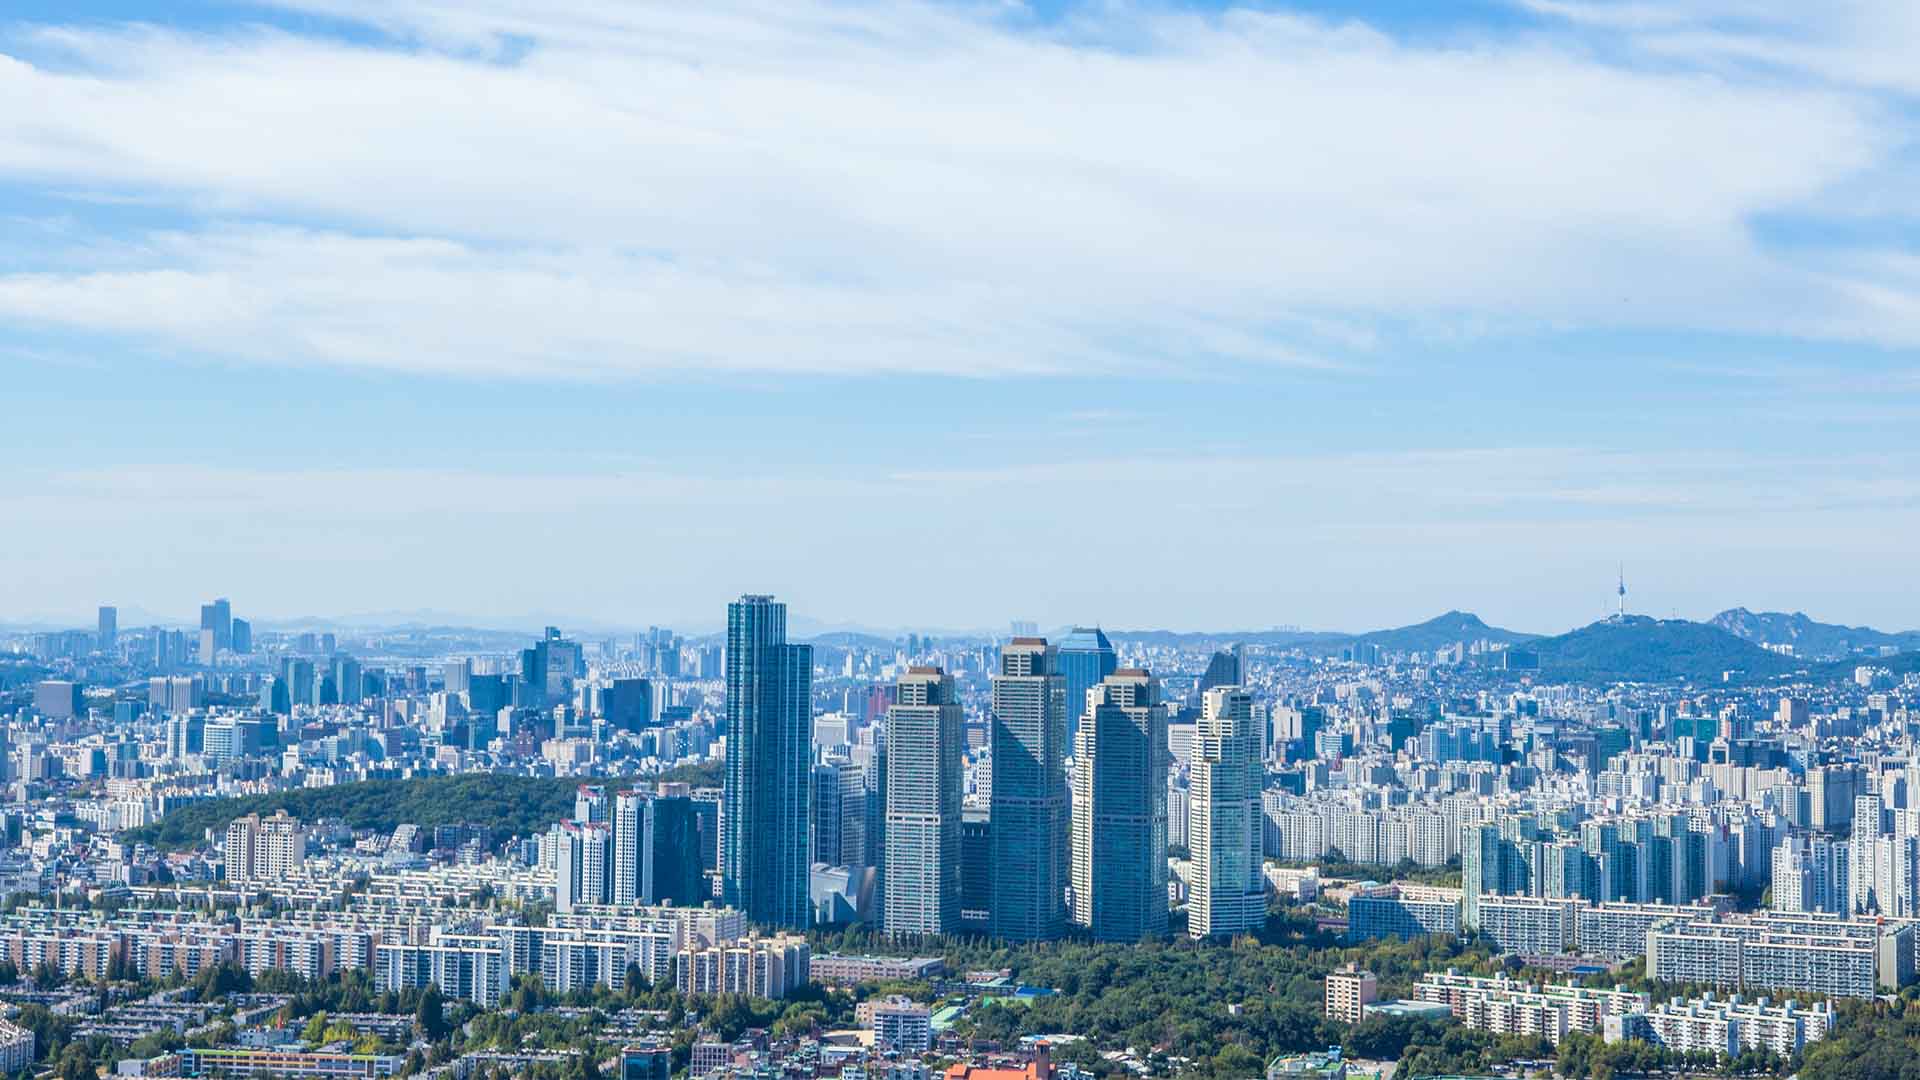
1726	1026
1507	1006
1831	955
1528	925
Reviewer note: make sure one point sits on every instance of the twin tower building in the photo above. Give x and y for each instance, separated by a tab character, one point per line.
1090	849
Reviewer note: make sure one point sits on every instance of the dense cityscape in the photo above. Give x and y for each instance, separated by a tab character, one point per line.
296	851
959	540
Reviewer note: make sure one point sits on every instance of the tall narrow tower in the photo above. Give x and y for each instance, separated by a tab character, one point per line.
923	780
1120	809
1621	594
1228	894
769	776
1029	829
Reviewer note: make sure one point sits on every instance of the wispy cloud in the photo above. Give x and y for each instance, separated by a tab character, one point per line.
588	189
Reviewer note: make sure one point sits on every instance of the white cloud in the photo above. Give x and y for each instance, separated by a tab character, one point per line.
1859	43
578	188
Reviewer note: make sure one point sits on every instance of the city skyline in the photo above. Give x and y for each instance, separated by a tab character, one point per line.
563	539
1415	309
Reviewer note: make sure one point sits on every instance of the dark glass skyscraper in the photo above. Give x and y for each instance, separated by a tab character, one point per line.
1086	657
765	848
628	704
1226	667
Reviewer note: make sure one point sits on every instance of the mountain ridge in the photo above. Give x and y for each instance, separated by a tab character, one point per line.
1810	638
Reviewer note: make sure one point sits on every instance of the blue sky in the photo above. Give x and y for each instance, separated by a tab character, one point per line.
1180	315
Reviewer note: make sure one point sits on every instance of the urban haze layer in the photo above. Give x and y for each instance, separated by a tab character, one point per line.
243	850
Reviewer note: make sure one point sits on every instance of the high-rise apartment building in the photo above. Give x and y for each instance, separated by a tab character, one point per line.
1029	823
922	805
769	711
583	860
1228	891
1120	809
264	849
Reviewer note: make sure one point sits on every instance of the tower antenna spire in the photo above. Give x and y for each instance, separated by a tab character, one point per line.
1621	613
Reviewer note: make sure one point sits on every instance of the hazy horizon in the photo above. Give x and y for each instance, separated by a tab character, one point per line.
1168	314
802	623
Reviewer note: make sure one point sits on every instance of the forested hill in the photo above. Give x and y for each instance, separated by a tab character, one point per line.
1640	649
511	805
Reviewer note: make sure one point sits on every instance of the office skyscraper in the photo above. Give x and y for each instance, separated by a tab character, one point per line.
549	668
628	704
242	632
1227	667
1229	893
218	617
1086	657
769	757
348	687
1029	824
829	811
1120	810
109	630
656	850
923	780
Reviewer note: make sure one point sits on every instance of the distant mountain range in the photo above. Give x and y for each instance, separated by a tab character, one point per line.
1810	639
1439	631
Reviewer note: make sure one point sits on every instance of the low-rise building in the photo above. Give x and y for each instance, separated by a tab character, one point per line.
16	1048
1507	1006
1349	992
834	969
1725	1025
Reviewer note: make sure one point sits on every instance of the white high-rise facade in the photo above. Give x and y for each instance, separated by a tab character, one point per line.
922	815
583	864
264	849
1030	805
1120	765
1228	893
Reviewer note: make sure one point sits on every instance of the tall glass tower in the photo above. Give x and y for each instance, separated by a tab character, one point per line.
1086	657
1029	827
765	851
